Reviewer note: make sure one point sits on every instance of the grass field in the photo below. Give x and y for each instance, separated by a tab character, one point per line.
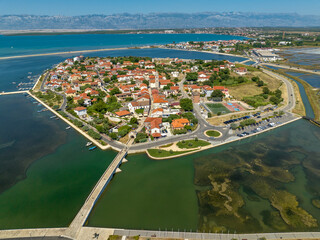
217	107
213	133
251	89
186	144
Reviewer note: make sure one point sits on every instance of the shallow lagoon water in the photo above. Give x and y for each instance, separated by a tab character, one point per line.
49	170
152	194
147	194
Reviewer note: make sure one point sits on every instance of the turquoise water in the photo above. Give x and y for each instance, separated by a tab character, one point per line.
150	194
24	45
17	70
47	172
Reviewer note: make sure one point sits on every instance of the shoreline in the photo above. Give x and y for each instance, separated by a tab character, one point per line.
72	52
222	143
146	150
115	49
218	53
95	142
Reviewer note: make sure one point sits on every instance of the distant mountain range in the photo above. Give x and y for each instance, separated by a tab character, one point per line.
158	21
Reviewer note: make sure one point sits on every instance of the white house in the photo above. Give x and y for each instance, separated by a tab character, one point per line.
81	111
137	105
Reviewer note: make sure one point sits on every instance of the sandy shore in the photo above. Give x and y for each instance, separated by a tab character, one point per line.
110	49
70	52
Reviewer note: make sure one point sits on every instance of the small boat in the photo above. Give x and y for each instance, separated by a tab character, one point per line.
68	127
53	116
88	144
92	148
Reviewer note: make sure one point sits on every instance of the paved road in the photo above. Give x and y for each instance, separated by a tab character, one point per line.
226	236
38	238
291	96
83	214
44	81
203	125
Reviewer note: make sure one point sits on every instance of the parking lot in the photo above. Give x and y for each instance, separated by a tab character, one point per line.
261	125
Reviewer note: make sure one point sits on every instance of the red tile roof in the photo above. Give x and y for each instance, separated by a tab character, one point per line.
123	113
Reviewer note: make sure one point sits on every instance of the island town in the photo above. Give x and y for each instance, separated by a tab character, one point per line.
167	107
164	106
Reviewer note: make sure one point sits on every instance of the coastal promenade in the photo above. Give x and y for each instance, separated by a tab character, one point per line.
86	233
11	93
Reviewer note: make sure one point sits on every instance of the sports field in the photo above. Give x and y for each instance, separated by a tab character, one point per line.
217	107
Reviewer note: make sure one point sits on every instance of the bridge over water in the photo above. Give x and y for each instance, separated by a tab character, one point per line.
84	212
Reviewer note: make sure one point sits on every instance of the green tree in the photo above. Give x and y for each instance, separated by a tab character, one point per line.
113	135
217	94
255	79
186	104
133	120
266	90
192	76
260	83
146	82
115	91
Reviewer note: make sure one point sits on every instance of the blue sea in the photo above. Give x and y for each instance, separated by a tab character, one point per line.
46	170
24	45
17	70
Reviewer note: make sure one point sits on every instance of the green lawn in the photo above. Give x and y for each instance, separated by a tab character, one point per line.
165	146
217	107
192	144
213	133
163	153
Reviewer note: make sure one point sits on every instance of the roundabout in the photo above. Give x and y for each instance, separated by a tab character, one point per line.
213	133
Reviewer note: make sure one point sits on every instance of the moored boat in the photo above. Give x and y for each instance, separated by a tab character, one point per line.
92	148
88	144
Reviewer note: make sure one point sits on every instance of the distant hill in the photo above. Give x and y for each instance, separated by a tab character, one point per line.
158	21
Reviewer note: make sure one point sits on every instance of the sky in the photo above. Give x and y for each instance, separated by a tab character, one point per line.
83	7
